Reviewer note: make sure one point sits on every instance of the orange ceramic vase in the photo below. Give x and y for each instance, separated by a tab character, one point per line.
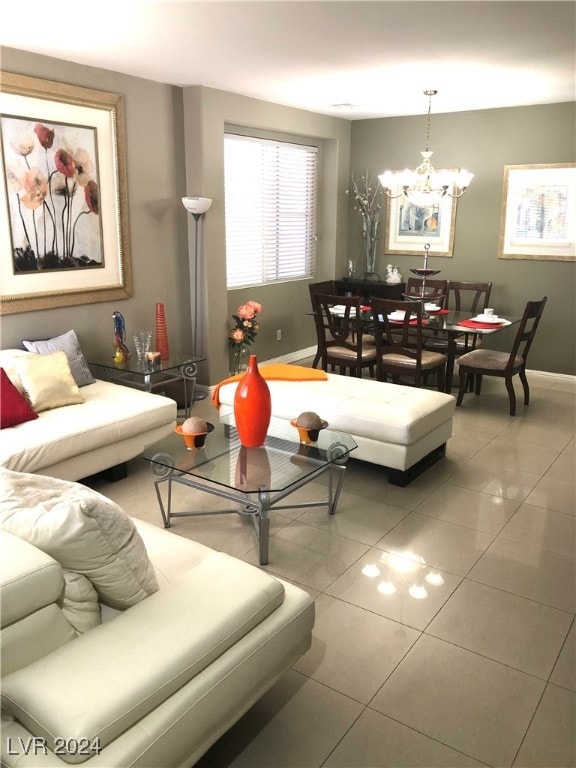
252	406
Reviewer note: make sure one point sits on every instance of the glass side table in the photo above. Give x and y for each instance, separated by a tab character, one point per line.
148	376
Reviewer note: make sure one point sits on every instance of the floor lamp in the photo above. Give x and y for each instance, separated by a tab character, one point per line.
197	206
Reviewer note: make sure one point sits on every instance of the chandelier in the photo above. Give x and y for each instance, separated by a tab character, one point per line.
424	186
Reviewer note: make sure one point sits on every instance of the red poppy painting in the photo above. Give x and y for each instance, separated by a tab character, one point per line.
63	219
52	180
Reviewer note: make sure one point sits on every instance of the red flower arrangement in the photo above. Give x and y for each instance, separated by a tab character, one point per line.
244	332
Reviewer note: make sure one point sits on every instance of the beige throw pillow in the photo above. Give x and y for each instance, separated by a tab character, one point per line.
66	342
47	381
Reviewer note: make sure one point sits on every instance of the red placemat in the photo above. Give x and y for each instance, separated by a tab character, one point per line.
438	312
410	322
481	326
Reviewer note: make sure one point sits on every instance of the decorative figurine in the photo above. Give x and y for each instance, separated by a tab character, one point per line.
393	276
121	352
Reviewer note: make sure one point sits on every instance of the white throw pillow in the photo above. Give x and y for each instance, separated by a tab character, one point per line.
67	342
82	530
47	381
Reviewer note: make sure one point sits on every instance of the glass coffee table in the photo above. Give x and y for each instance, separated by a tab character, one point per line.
256	479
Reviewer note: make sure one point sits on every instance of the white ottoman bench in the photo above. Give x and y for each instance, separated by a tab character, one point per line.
403	429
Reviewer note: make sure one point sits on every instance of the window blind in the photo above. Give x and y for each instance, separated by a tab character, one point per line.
270	210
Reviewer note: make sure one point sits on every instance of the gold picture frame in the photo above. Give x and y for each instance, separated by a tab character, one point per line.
64	234
538	219
410	227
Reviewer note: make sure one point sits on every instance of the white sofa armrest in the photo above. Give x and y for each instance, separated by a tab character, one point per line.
97	686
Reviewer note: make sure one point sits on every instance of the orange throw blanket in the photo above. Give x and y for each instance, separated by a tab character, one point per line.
277	372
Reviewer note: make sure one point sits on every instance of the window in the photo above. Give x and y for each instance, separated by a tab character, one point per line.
270	198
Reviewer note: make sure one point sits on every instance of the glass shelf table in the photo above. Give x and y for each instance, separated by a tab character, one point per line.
149	376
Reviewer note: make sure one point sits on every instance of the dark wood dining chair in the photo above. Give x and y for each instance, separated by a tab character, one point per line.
339	335
463	296
399	345
327	287
506	365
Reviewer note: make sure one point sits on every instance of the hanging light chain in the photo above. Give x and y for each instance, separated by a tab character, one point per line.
429	118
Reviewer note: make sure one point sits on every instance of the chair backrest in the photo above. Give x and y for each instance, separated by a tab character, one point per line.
403	337
338	322
327	287
467	296
527	330
434	290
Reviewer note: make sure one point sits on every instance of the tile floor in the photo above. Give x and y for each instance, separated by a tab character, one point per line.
445	611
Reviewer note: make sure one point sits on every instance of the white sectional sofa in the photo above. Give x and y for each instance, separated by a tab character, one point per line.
402	428
124	644
111	425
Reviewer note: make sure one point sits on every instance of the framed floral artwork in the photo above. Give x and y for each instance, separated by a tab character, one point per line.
409	227
64	236
538	218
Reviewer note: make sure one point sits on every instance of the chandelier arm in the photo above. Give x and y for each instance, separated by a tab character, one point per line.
388	193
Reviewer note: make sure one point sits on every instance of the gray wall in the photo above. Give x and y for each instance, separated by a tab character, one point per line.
174	148
483	142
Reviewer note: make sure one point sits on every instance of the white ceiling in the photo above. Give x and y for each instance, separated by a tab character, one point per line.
378	56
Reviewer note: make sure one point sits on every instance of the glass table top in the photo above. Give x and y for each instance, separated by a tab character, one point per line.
145	367
281	462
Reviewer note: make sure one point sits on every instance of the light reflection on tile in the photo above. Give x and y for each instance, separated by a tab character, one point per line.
381	582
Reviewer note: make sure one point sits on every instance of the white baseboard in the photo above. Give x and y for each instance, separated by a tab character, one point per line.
560	376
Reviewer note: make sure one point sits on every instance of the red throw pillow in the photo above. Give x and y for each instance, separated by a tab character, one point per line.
13	406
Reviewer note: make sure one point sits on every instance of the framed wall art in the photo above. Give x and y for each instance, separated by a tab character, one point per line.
409	227
538	219
64	236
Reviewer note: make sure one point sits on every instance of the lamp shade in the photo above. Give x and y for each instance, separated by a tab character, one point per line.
196	205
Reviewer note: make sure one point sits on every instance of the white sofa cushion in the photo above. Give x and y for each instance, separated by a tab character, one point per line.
81	529
110	414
